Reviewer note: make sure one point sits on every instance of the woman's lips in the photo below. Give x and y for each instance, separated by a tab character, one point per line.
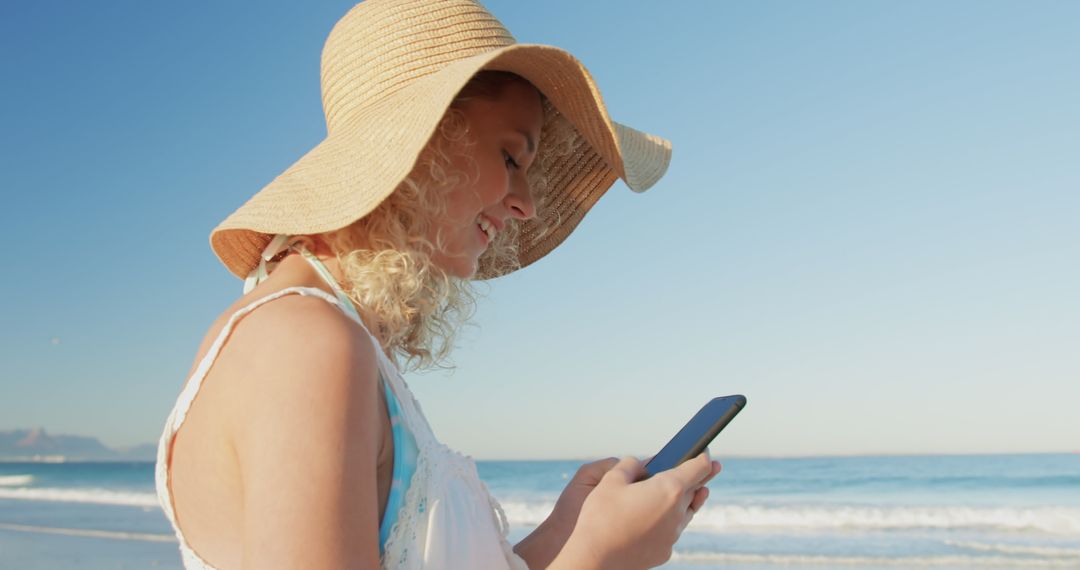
483	234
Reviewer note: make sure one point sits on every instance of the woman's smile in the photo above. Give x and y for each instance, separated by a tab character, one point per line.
484	237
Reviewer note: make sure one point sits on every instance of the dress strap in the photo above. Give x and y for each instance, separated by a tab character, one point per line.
262	271
325	274
279	243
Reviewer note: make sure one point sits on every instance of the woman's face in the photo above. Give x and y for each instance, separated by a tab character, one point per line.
505	134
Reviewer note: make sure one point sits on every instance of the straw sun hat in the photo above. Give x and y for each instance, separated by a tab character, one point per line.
390	69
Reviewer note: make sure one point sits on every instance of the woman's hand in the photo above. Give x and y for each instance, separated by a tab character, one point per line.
588	476
543	544
627	523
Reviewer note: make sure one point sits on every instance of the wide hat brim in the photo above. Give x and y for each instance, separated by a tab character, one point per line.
363	159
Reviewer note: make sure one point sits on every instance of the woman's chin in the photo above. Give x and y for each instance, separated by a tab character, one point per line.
472	269
463	269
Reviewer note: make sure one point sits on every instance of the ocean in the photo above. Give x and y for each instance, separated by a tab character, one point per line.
946	512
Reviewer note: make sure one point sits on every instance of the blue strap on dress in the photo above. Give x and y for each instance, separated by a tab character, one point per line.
405	453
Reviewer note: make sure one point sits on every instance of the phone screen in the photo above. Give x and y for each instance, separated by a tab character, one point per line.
696	435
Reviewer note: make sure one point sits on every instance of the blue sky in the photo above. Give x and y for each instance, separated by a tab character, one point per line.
869	226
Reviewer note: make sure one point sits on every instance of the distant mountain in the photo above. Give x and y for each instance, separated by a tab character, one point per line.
146	451
37	445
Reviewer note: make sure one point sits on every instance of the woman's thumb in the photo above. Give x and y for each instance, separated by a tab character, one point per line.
592	473
626	470
693	471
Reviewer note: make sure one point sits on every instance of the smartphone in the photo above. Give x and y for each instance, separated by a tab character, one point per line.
696	435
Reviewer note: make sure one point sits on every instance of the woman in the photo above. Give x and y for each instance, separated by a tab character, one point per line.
452	154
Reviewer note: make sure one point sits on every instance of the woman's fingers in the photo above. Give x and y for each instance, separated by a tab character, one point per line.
695	505
716	467
700	494
699	499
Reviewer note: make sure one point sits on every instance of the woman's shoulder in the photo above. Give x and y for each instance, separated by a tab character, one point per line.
301	330
295	346
304	428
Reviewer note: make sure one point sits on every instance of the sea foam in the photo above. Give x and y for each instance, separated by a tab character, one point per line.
82	495
1060	521
15	480
1052	520
949	561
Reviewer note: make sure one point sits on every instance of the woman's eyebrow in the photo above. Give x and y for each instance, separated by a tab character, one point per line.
528	139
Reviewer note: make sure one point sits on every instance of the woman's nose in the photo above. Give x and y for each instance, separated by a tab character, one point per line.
520	201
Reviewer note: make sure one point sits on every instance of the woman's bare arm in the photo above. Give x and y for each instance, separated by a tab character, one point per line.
308	438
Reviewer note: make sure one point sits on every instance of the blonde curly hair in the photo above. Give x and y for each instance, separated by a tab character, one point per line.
387	260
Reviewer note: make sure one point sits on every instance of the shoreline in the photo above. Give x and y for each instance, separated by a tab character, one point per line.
60	459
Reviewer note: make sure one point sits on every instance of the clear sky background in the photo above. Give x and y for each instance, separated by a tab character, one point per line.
870	226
